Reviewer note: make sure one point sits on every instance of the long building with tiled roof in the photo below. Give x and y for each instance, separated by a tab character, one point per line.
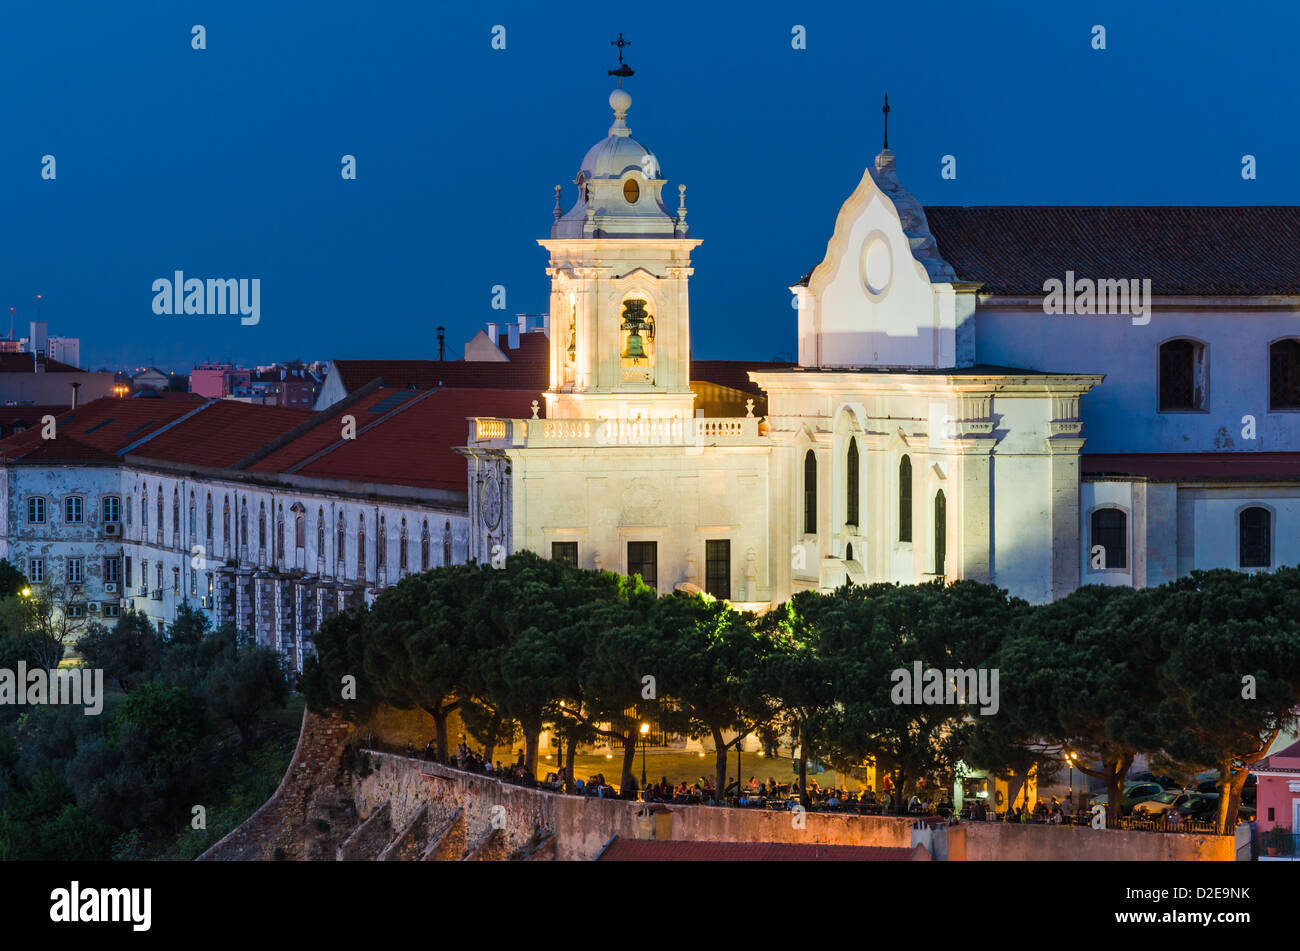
268	519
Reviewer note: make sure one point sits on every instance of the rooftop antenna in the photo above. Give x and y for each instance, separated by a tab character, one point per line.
624	69
12	314
886	110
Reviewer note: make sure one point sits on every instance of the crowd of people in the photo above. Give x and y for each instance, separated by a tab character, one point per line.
772	794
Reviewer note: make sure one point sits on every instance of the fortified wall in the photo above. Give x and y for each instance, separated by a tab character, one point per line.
340	800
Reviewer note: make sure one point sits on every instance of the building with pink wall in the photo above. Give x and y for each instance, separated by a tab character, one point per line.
216	380
1279	789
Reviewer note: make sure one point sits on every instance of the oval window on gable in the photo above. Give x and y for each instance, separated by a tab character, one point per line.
631	191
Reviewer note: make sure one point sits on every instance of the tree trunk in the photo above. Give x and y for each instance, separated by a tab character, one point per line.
440	726
493	734
569	755
803	770
532	735
1231	784
720	763
629	759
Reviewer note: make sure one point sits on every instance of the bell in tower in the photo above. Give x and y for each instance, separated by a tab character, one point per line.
636	322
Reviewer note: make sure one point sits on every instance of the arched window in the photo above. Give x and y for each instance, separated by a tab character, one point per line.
299	528
381	553
401	556
128	510
225	527
144	517
208	522
341	555
361	547
940	531
1182	375
194	518
320	532
1110	533
1284	374
1255	538
810	493
243	525
446	544
261	526
176	511
159	501
905	499
279	533
424	546
851	474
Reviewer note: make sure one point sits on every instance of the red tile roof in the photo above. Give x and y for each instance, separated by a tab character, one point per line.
29	413
732	373
519	373
412	446
425	374
656	850
1184	250
26	363
534	347
221	434
1284	760
108	424
1195	466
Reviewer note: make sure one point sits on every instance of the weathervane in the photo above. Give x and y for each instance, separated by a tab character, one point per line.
623	69
885	110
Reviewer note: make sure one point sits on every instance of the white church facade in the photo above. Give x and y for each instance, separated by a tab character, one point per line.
941	422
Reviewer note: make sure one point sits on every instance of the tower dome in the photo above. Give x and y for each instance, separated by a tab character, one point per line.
619	188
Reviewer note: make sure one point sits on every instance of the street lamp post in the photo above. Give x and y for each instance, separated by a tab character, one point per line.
1070	758
645	731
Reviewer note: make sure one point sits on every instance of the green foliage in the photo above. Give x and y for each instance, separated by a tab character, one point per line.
12	581
130	653
243	688
168	720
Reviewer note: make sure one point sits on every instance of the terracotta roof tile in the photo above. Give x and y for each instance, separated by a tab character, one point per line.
415	446
108	424
427	374
25	363
221	434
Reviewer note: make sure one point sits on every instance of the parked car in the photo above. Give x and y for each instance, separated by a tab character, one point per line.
1248	792
1166	782
1205	807
1166	801
1133	794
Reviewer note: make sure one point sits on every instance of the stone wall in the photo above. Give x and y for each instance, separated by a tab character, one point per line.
405	808
583	826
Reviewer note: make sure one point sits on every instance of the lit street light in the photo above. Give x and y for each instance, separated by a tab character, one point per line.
645	732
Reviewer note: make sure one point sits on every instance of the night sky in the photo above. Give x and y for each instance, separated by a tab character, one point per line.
225	162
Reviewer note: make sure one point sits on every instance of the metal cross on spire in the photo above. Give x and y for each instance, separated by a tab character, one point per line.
885	109
623	69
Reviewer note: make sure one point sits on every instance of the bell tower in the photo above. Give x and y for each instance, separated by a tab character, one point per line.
620	268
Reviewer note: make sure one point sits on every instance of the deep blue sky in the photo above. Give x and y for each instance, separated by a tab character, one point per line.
225	163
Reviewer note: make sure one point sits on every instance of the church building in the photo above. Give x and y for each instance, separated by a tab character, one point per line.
1039	398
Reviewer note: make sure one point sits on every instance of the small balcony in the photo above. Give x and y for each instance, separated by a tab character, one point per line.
499	433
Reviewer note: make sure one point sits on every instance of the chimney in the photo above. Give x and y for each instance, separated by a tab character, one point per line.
514	335
442	343
75	387
492	331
